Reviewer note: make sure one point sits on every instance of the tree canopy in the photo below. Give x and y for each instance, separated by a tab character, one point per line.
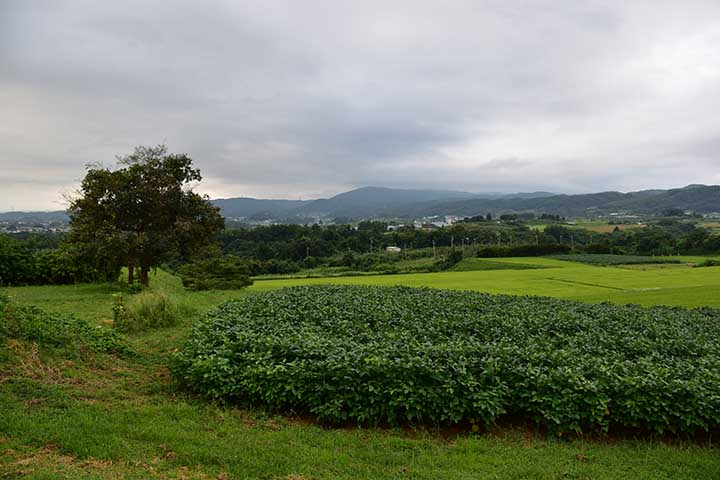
143	212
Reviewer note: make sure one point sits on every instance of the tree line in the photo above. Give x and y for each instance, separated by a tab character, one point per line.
143	213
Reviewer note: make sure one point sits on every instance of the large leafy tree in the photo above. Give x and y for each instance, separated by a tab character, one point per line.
143	212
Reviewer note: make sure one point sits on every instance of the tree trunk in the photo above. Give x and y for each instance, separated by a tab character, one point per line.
144	274
131	273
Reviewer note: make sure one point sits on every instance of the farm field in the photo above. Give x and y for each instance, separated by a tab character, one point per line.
682	285
593	225
713	226
604	227
395	354
98	416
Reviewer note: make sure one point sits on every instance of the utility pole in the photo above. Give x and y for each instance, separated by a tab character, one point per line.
434	254
371	240
452	242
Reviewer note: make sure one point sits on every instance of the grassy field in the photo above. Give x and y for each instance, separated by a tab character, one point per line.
714	226
103	417
682	285
599	226
604	227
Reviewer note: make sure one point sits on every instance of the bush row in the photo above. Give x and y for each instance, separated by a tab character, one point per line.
218	273
609	259
21	265
527	250
399	354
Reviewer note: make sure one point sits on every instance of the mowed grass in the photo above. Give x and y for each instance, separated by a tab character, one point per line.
682	286
107	417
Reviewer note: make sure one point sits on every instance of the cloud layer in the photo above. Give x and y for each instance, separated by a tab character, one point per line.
303	99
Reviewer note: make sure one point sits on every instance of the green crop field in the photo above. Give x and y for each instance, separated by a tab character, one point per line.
97	415
402	354
683	286
604	227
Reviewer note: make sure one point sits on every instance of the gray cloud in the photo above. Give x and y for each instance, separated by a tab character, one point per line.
297	99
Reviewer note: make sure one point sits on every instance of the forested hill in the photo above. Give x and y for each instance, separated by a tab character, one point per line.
52	217
379	202
365	202
376	202
254	207
698	198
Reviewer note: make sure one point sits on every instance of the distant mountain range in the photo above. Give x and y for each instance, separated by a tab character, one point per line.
392	203
54	217
380	202
365	202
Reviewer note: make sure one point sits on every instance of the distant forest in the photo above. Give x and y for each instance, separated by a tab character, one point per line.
284	249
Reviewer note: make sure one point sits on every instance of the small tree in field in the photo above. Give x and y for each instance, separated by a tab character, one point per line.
143	212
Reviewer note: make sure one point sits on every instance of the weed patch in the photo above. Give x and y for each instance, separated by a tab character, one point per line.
145	311
55	331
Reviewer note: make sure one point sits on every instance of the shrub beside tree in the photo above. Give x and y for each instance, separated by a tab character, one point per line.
218	273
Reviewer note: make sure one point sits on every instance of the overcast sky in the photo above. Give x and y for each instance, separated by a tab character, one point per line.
289	99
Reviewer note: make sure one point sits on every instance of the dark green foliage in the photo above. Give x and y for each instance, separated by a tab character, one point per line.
399	354
17	264
673	212
285	249
472	265
56	331
272	267
369	262
602	248
133	288
4	300
522	250
708	263
296	242
218	273
25	262
453	258
600	259
63	266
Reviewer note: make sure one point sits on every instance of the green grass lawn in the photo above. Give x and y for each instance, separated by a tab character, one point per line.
683	286
104	417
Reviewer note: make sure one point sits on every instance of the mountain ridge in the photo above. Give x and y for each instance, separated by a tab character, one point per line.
374	202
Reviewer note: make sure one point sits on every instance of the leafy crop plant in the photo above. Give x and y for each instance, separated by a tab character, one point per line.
408	355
